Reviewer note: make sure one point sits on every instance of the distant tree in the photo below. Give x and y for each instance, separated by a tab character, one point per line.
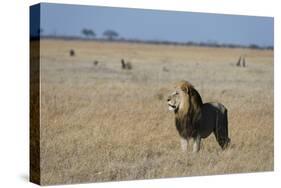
91	33
85	32
110	34
88	33
254	46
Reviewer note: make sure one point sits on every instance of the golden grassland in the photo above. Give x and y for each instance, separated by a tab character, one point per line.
102	123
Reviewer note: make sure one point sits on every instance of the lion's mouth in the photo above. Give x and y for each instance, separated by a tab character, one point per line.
172	107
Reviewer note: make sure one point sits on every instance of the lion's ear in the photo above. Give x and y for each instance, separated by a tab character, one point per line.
185	90
190	91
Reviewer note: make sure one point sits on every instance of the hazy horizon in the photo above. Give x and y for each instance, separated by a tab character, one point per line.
141	24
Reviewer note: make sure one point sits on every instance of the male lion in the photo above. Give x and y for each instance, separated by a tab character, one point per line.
196	120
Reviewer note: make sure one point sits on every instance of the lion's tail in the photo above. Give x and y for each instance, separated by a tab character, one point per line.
221	130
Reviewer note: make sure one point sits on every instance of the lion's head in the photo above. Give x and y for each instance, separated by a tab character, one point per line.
183	98
186	103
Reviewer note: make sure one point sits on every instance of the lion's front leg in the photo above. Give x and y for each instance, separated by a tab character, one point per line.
184	143
196	143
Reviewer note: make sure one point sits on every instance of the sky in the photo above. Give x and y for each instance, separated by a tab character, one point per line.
69	20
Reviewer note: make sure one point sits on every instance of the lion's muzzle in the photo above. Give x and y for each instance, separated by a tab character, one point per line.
172	106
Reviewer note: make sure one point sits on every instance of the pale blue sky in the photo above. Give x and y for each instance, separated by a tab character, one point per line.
157	25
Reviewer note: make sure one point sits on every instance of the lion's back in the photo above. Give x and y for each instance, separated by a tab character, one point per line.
212	113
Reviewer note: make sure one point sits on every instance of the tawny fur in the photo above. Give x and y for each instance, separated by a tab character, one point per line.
195	119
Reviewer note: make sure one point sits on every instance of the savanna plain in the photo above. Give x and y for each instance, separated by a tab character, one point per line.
100	122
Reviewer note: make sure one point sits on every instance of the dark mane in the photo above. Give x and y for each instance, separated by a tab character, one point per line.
194	111
188	123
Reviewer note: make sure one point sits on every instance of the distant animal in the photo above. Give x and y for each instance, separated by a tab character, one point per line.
165	69
123	64
126	65
244	62
72	52
129	66
196	120
96	62
238	64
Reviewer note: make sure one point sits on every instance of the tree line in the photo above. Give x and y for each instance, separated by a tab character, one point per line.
113	35
109	34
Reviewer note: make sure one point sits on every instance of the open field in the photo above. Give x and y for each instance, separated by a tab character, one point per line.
102	123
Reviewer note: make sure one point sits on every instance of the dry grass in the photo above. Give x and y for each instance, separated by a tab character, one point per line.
102	123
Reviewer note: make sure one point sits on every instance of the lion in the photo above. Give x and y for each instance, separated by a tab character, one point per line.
195	119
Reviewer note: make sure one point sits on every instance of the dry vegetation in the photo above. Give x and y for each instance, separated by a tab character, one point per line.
102	123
